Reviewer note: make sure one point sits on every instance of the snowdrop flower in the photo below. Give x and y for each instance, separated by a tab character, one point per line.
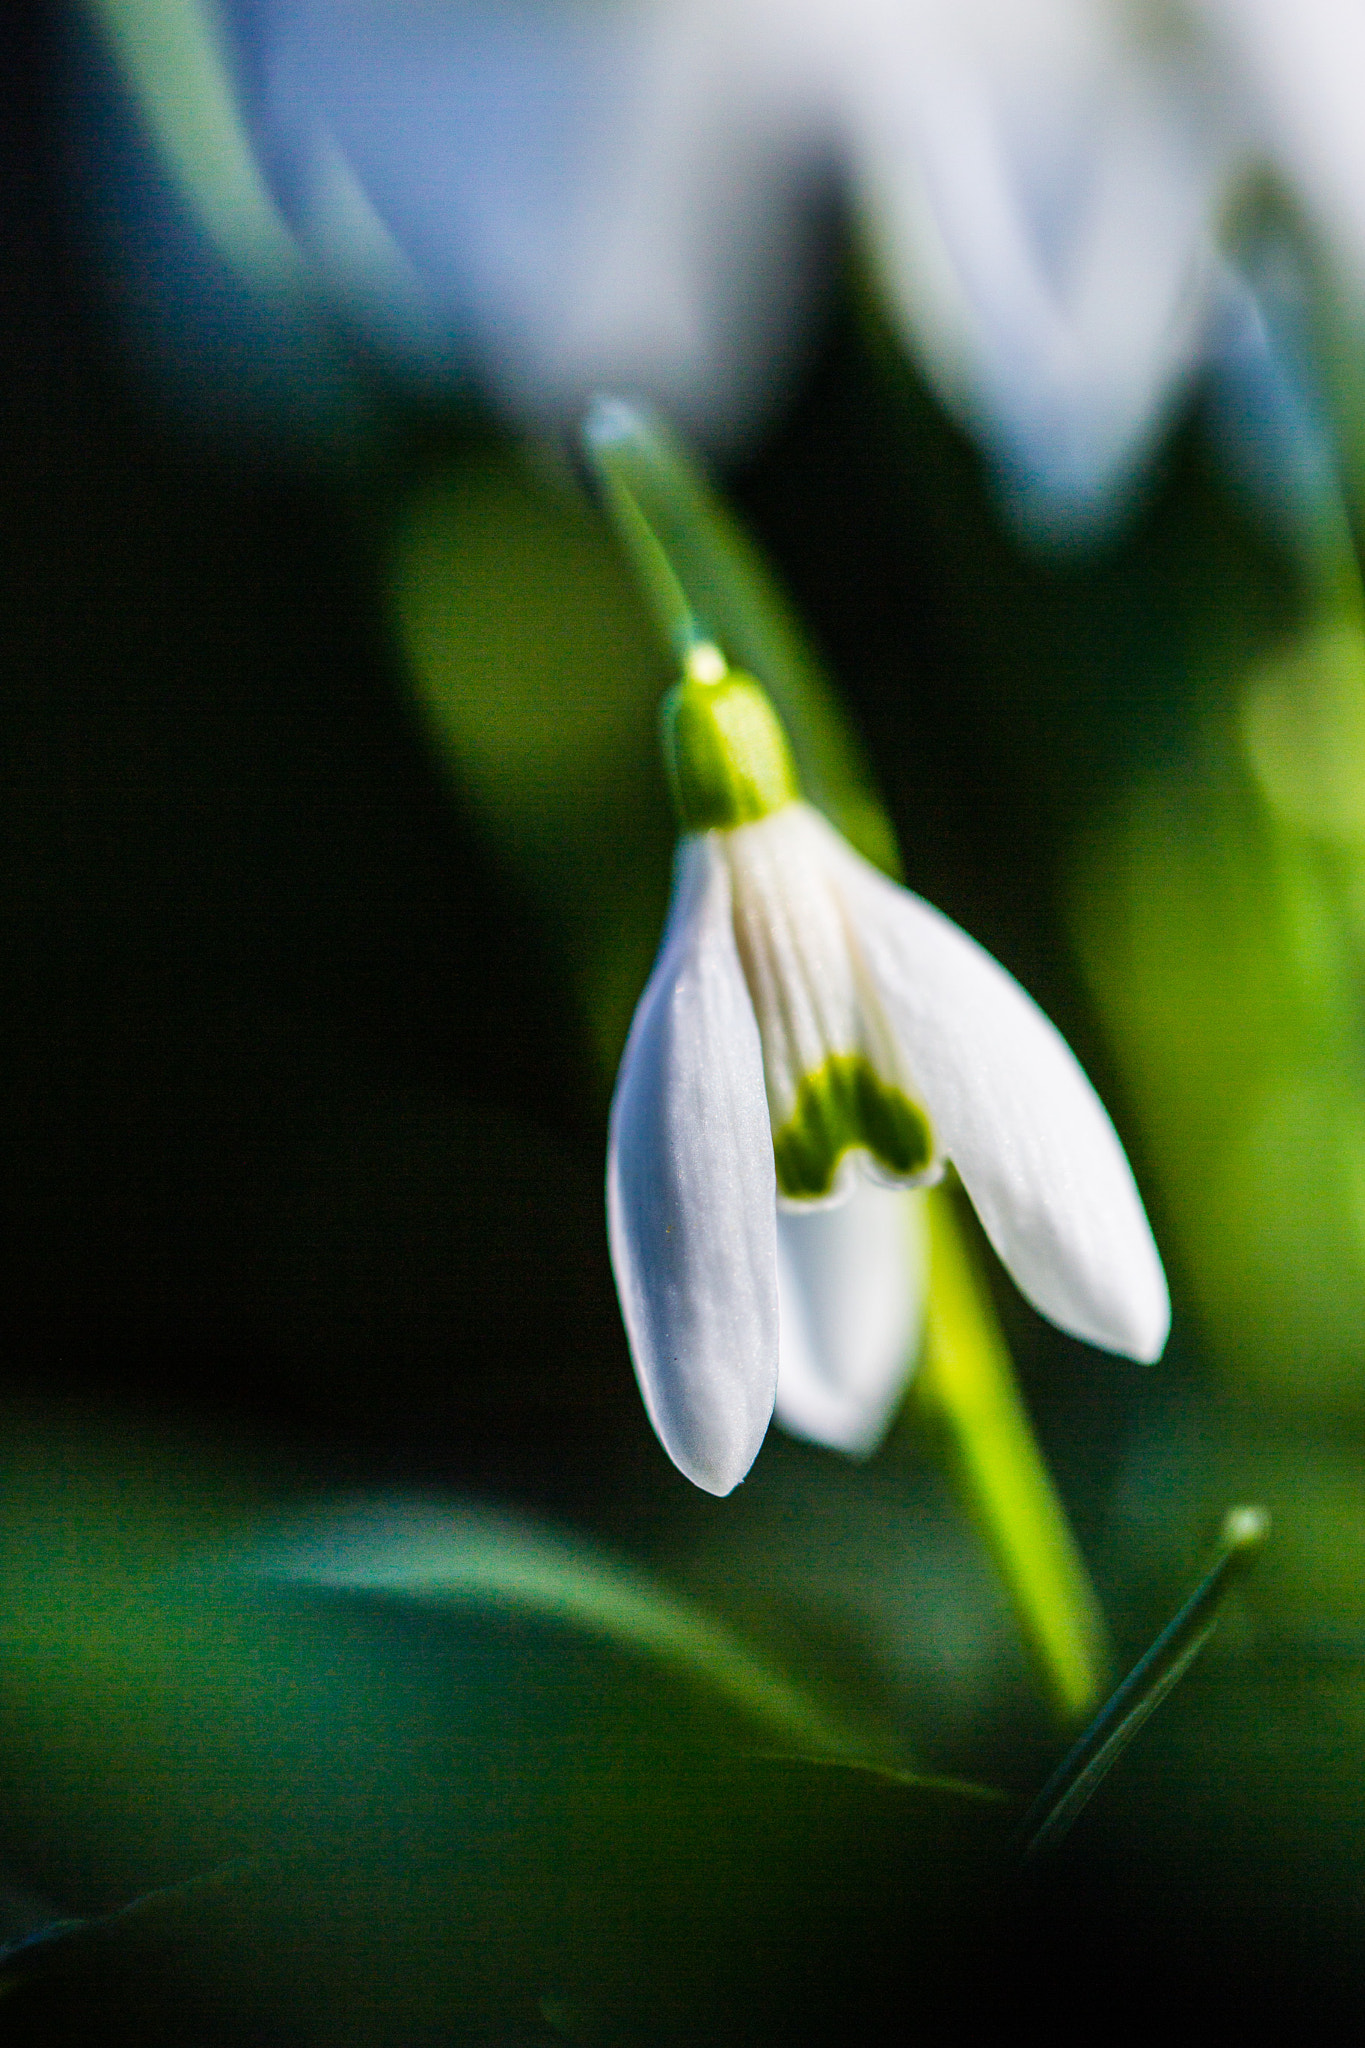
547	197
813	1034
1040	181
1048	186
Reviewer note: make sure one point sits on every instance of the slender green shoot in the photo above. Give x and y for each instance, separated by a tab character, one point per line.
610	435
1081	1771
706	583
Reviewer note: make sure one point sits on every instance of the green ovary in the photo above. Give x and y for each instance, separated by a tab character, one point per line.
842	1105
727	756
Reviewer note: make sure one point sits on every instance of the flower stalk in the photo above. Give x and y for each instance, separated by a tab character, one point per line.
967	1394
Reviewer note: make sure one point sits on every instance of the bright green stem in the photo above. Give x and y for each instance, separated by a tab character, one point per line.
1080	1772
966	1386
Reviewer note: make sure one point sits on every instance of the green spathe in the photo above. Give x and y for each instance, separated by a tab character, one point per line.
727	756
842	1105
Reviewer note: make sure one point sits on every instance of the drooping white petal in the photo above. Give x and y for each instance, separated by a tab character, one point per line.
1015	1114
1040	185
850	1287
691	1193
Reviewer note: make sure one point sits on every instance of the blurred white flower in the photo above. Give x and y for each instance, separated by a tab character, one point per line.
554	195
1039	183
809	1022
563	195
1048	185
1293	75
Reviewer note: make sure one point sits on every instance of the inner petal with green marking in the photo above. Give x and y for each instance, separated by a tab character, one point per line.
844	1106
837	1082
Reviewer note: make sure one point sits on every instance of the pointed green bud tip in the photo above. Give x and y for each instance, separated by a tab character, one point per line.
1245	1528
727	756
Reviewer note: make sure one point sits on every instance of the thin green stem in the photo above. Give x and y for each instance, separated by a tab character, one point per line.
705	582
610	436
1088	1762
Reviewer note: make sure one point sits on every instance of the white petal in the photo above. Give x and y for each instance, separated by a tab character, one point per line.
1013	1111
691	1193
1042	197
850	1286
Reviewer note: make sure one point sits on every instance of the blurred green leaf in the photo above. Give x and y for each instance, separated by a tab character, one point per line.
478	1774
466	1556
1303	727
539	680
1223	972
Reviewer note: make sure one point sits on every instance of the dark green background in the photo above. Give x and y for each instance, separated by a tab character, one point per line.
300	1158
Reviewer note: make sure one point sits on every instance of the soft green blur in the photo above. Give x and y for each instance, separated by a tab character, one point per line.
540	679
1219	916
405	1767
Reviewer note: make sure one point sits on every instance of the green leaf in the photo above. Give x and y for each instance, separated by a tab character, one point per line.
460	1556
433	1773
539	683
1156	1674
